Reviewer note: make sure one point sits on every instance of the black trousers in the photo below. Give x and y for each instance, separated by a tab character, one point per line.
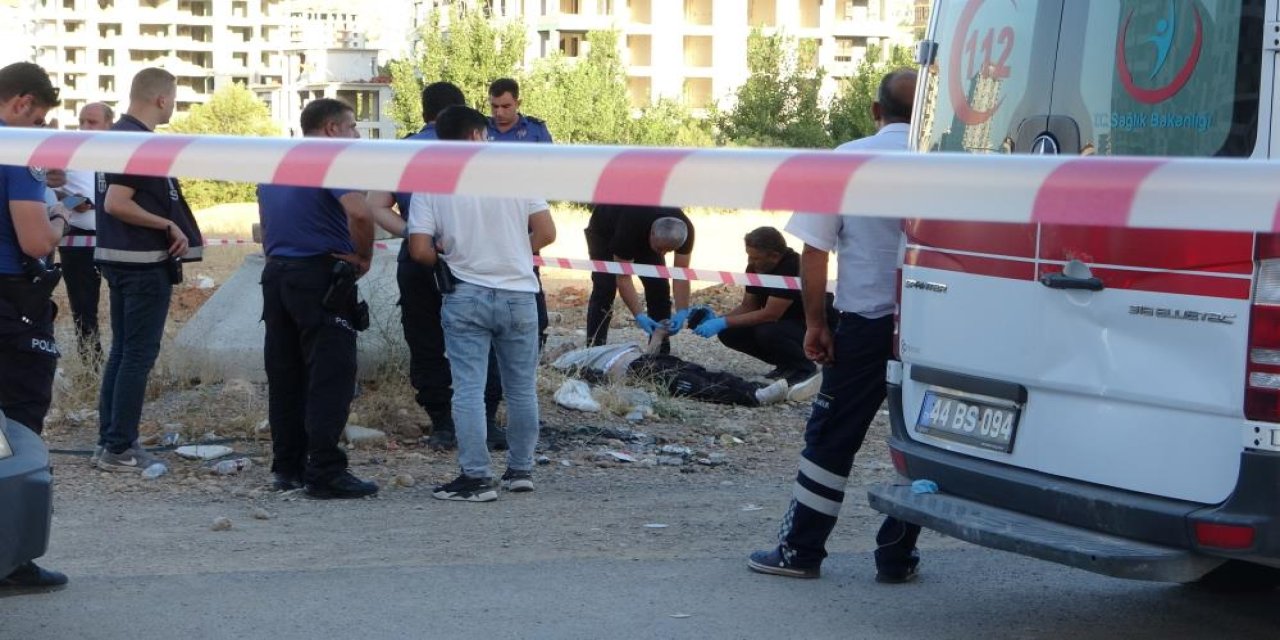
84	289
689	380
780	343
604	289
429	373
852	391
310	357
30	358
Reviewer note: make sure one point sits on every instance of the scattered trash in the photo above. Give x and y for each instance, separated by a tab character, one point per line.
576	395
210	436
221	524
259	513
752	507
681	615
924	486
204	451
403	480
728	439
566	463
620	456
676	450
542	460
357	436
203	282
656	525
155	471
231	467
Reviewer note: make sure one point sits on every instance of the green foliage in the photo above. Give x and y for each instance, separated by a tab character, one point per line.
232	110
584	100
470	52
850	111
779	105
668	123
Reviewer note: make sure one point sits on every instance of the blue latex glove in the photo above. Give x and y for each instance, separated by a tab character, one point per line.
709	328
676	323
647	325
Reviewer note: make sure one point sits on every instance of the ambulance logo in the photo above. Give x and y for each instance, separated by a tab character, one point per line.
1163	38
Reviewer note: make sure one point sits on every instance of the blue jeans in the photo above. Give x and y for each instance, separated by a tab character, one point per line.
476	318
139	308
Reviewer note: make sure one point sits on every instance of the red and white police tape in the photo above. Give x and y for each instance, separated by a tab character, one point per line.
597	266
1181	193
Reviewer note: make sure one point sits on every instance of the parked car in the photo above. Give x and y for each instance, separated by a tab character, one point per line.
26	495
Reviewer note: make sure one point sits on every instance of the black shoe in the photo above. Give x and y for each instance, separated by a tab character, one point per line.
517	481
467	489
900	576
777	372
496	438
343	485
772	563
286	482
796	376
30	577
442	440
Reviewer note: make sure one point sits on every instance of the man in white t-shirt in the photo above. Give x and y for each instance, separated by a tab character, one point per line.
484	248
855	357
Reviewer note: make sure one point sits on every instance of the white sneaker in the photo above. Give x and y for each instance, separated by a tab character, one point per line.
805	391
772	394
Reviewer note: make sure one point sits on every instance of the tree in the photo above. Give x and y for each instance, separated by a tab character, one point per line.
463	47
779	104
850	112
583	100
232	110
668	123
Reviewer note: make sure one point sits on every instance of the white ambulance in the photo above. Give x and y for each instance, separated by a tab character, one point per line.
1104	398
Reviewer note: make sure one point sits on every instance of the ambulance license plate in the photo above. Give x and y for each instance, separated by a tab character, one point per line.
973	422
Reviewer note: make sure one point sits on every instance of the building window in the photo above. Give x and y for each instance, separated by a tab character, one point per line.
697	51
106	58
698	12
639	50
641	11
365	103
762	13
107	84
850	49
571	43
810	14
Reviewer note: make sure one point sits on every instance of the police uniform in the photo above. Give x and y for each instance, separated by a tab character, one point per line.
528	129
140	273
420	303
310	348
28	353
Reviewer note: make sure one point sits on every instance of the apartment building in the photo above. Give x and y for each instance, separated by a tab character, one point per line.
345	73
92	48
696	50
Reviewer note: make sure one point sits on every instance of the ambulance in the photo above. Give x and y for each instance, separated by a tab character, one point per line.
1104	398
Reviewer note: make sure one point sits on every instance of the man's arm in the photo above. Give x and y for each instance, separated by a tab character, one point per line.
819	346
750	302
120	205
380	203
627	290
38	236
422	248
360	224
772	311
542	230
680	288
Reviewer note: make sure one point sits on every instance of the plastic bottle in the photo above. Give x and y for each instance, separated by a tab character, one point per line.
155	471
231	467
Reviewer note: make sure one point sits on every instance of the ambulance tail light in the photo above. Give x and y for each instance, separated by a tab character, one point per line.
1262	378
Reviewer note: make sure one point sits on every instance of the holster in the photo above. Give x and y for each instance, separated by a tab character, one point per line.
341	298
443	275
30	295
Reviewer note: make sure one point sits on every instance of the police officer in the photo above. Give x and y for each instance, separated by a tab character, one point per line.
28	234
145	232
507	124
318	242
420	303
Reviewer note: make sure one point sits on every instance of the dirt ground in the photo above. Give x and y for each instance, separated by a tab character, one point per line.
688	448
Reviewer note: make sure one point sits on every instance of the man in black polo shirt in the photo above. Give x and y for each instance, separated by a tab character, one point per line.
311	236
644	235
769	323
145	232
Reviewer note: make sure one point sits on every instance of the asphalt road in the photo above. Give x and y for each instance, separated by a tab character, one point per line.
963	593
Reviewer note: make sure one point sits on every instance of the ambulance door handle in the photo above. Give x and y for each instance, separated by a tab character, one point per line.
1064	281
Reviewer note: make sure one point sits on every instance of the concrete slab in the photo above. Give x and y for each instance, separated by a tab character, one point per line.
224	339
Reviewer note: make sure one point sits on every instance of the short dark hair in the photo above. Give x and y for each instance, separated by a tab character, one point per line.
321	112
504	85
26	78
766	239
437	97
894	106
459	122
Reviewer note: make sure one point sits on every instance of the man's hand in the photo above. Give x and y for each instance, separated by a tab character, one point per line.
358	262
647	325
178	243
676	323
710	328
819	345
